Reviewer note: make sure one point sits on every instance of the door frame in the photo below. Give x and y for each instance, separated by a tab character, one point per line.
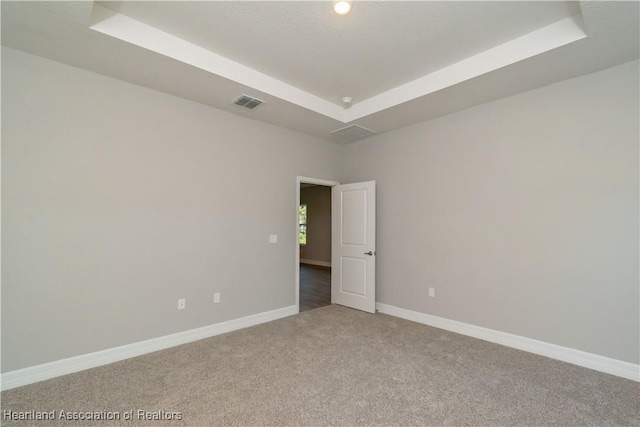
304	180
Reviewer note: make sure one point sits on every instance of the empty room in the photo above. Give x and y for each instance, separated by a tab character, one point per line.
461	179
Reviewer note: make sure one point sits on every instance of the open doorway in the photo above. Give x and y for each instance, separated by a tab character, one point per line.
313	250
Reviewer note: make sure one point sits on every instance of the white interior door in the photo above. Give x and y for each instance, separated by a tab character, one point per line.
353	249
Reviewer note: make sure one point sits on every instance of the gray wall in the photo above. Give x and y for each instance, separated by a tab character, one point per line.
318	200
117	200
521	213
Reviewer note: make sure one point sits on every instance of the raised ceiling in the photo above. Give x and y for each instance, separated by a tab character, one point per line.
401	62
380	46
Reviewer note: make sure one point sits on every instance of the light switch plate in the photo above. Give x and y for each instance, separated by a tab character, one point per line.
273	238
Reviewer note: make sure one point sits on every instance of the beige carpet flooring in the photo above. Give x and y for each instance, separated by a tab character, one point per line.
336	366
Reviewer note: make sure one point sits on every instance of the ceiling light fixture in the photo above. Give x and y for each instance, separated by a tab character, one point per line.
342	7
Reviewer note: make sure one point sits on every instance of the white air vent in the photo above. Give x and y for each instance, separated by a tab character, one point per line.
351	133
248	102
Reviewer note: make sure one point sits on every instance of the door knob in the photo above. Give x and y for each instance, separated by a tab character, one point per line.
369	253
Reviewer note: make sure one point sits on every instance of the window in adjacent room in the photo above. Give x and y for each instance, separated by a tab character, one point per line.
302	224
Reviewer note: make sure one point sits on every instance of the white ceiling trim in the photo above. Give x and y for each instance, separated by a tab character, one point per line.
140	34
132	31
542	40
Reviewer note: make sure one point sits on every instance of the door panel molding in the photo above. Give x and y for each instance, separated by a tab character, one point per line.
353	245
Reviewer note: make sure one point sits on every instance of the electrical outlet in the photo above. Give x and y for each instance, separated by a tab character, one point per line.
432	292
182	303
216	298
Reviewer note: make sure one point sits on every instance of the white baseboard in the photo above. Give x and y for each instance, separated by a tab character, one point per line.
70	365
587	360
314	262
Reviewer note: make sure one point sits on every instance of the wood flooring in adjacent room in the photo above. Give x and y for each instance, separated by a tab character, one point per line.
315	287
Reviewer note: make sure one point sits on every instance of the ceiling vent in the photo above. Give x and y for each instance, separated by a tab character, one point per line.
352	133
248	102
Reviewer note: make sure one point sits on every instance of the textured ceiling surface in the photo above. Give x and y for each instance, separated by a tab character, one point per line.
401	62
378	47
